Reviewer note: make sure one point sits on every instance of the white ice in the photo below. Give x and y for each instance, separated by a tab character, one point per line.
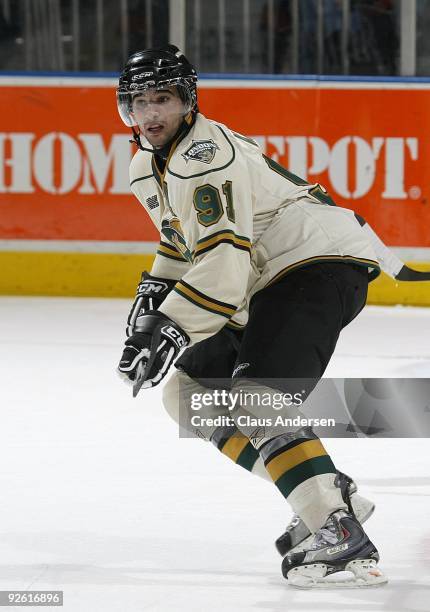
101	499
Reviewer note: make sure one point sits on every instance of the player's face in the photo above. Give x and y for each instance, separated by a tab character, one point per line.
158	113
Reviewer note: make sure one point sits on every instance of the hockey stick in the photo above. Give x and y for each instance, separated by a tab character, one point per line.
142	372
408	274
390	263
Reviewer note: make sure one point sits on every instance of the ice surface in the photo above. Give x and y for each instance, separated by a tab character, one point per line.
101	499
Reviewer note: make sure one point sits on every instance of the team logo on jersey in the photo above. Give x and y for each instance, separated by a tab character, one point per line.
152	202
172	230
201	150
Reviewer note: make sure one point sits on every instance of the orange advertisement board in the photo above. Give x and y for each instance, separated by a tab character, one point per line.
64	153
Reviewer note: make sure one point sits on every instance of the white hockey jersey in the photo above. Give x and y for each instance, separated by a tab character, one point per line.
231	222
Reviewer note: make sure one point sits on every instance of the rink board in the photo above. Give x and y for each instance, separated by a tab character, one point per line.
64	157
117	275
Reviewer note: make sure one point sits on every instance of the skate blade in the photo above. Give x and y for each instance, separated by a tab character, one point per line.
365	573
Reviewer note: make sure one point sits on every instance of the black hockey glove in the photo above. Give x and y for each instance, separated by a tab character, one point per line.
151	350
150	293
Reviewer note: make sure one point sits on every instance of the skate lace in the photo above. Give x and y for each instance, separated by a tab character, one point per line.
326	535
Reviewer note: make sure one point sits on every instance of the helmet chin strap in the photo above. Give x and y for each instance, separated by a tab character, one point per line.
136	140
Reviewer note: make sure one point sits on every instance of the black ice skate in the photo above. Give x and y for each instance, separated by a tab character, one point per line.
297	535
340	545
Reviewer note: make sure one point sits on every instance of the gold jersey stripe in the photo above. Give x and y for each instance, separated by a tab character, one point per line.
294	456
235	325
171	251
226	231
204	301
234	446
214	240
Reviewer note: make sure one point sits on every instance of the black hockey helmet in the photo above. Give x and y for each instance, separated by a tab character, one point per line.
152	69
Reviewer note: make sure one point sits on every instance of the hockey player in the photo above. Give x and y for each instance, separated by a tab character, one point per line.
256	274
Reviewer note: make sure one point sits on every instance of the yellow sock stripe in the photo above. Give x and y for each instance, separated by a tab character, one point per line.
197	298
234	446
287	460
321	259
226	236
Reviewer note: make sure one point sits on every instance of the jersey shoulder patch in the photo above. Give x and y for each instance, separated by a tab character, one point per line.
207	148
201	150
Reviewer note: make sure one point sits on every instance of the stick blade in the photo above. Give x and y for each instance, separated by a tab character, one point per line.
140	378
409	274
